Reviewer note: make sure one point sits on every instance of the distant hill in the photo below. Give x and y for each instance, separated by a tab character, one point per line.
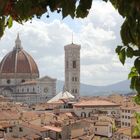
122	87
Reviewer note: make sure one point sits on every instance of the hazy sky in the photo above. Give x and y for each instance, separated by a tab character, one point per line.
98	35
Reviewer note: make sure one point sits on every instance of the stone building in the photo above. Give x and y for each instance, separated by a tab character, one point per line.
86	108
19	78
72	69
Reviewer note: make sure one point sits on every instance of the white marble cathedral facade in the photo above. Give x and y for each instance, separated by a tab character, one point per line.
19	78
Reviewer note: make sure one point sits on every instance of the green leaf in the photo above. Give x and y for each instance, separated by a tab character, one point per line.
137	53
118	49
83	8
137	85
68	8
52	5
126	35
10	22
129	52
2	26
137	64
133	69
133	81
105	0
122	56
132	74
137	99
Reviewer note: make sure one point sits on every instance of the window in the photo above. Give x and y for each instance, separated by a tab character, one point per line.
128	124
89	114
22	89
22	81
75	78
67	64
10	129
125	123
125	117
27	89
75	90
128	111
122	116
60	136
128	117
8	81
72	78
20	129
122	123
74	64
83	115
5	130
46	90
95	129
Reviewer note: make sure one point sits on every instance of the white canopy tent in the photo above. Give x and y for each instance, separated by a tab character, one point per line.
61	95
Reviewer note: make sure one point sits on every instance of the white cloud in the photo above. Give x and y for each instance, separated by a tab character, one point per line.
98	35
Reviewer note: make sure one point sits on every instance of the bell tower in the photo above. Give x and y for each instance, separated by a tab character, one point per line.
72	69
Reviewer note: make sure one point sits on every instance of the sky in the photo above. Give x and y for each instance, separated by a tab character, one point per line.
98	35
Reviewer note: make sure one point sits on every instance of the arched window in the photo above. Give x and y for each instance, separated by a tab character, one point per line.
33	89
83	115
89	114
27	89
74	64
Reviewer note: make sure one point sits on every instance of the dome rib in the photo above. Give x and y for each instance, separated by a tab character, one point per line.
3	61
16	63
26	55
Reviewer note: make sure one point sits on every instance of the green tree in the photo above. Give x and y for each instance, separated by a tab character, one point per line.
23	10
136	128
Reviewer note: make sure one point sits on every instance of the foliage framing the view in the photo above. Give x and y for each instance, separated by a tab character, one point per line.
23	10
136	127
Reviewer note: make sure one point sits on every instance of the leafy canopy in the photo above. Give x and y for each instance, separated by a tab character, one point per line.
23	10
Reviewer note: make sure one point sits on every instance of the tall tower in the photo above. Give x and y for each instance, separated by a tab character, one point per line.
72	69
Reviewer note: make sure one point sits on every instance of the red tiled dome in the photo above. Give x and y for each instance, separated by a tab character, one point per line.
20	62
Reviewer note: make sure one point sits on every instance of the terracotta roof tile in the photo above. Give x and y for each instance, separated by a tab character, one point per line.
125	131
95	103
53	128
35	127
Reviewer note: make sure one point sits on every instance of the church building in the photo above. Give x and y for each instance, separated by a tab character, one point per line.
19	78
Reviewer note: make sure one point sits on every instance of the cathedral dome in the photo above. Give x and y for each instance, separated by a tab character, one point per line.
18	64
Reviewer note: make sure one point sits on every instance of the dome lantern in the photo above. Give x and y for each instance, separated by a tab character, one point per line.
17	43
